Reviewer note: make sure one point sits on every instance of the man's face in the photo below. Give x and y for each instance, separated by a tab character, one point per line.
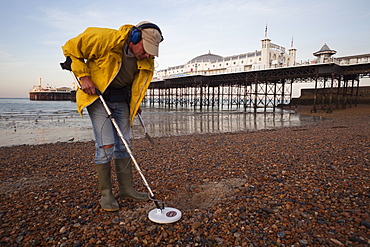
139	51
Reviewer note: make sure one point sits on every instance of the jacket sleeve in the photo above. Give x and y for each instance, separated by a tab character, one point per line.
87	45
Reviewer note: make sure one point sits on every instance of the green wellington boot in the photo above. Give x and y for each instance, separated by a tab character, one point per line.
124	177
107	200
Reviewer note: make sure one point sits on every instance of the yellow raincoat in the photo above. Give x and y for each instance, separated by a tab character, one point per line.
97	52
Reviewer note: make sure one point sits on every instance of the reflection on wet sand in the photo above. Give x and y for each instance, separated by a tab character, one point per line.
159	123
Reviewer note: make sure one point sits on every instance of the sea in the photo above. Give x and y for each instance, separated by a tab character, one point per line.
29	122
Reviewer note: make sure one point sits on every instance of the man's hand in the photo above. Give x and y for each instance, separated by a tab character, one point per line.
88	85
139	111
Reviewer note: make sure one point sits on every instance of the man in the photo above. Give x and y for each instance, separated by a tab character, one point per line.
120	64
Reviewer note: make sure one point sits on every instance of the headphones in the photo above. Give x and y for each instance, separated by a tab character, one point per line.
135	36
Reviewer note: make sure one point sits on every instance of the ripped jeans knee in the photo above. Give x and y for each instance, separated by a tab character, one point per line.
103	154
107	142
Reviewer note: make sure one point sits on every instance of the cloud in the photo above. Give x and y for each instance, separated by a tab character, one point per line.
62	20
9	61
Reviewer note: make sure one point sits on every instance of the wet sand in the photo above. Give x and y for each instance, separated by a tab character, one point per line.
159	122
303	186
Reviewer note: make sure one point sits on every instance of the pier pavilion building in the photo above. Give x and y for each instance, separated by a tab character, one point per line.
269	56
261	79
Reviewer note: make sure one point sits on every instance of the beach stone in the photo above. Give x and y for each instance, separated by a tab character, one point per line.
115	220
337	242
151	228
366	224
303	241
196	225
63	229
219	240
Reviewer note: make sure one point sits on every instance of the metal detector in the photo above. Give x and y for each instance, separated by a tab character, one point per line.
161	214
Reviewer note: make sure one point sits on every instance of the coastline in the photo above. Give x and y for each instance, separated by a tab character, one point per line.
305	185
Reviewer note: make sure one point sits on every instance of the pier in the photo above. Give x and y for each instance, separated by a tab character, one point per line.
39	92
55	96
336	86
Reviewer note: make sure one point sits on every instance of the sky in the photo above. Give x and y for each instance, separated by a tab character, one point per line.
33	31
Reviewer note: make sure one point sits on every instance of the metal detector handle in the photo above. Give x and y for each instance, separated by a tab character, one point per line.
98	92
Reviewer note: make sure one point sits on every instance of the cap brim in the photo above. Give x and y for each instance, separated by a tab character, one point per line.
150	48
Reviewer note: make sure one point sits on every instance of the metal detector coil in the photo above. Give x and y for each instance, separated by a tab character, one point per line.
165	216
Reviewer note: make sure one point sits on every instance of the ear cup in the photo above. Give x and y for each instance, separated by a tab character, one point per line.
135	36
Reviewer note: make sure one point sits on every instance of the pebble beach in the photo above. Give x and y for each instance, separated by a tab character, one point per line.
298	186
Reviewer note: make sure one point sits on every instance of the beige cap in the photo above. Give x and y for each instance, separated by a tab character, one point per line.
151	38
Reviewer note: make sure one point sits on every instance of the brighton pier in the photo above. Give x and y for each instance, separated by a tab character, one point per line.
260	79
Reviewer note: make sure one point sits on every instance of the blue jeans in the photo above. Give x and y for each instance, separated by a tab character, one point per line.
105	133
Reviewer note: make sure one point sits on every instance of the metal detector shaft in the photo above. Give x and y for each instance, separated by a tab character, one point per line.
119	133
